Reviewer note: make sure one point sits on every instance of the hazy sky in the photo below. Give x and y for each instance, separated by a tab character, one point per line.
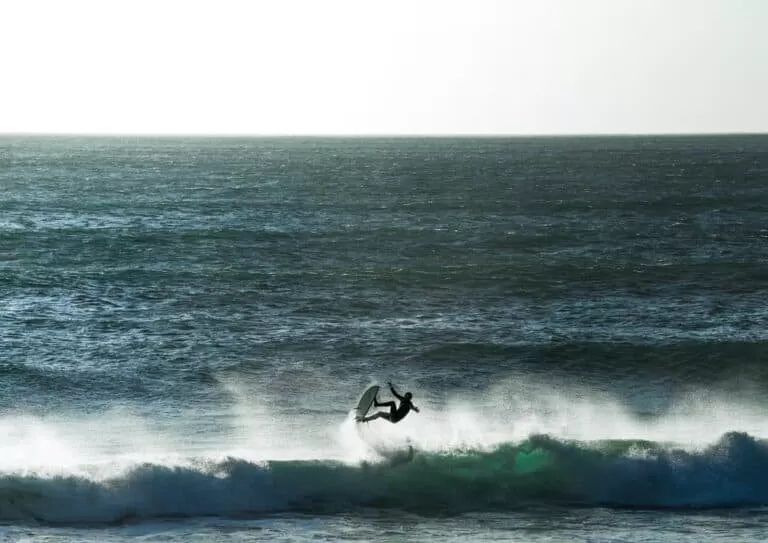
394	66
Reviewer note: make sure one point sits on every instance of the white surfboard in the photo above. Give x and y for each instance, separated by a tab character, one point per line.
366	401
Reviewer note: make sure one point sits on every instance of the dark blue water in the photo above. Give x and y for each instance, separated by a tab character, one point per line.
186	323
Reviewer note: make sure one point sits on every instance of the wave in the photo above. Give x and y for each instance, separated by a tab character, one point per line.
540	471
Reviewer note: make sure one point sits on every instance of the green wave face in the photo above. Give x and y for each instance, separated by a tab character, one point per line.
542	471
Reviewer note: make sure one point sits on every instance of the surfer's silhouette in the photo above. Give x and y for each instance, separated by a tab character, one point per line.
396	412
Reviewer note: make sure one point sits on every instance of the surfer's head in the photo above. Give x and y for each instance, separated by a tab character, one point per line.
408	396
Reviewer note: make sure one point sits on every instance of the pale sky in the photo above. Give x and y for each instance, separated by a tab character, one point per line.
384	67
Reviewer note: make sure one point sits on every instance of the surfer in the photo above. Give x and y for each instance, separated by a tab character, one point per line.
396	413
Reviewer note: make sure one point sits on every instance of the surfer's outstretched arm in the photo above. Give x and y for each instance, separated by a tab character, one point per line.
394	392
415	408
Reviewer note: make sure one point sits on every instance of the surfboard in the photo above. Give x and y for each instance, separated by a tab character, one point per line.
366	401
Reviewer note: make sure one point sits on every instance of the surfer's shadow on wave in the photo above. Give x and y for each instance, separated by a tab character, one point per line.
391	457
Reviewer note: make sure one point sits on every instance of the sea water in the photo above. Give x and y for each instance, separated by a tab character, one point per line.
186	323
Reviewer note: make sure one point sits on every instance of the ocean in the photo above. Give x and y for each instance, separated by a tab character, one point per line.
187	323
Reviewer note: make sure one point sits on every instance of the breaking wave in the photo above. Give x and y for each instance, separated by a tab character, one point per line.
540	471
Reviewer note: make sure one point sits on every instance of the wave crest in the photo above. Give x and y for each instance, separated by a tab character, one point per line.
538	471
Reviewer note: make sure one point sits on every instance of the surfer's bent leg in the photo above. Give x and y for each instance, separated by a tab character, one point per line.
379	415
383	414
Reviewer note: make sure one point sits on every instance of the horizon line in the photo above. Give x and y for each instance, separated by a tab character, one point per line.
373	135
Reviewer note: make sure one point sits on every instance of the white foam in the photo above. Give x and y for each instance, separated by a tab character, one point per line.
513	410
253	428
